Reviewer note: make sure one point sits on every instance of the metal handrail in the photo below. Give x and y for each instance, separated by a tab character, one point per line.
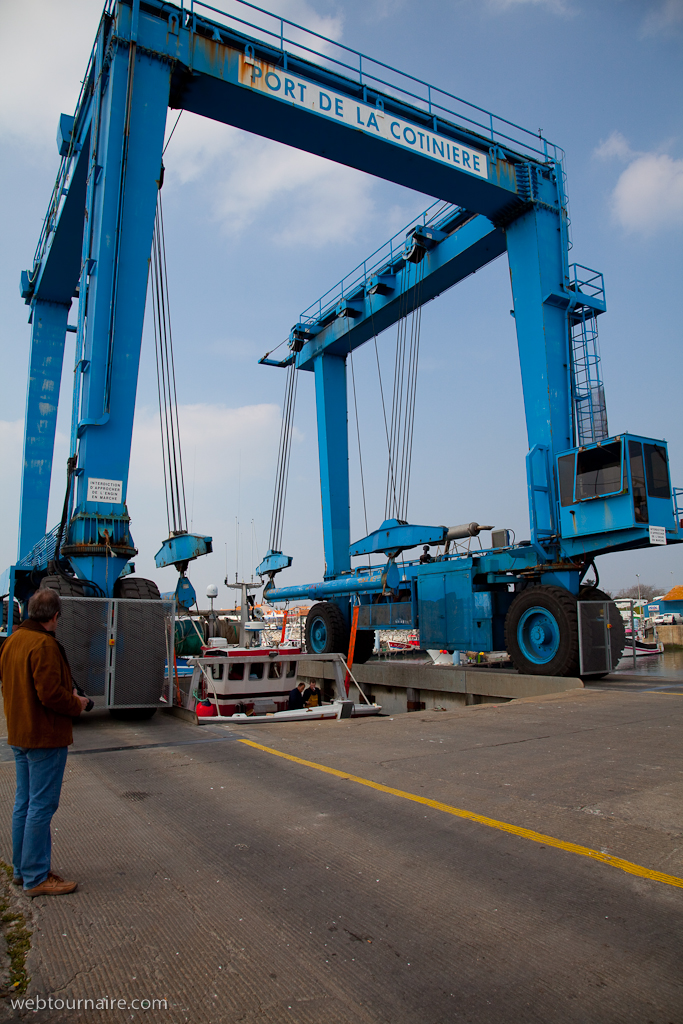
545	148
497	135
389	251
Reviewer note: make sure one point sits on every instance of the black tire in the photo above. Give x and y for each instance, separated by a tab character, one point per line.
136	588
16	617
326	630
66	586
132	714
365	645
617	636
542	632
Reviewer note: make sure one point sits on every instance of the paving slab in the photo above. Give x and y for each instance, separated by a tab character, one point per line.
241	886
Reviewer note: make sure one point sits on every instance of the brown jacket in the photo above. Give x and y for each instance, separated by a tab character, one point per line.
37	689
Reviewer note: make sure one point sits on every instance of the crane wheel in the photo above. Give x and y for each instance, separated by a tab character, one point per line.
365	645
64	585
16	617
617	634
542	632
134	587
326	630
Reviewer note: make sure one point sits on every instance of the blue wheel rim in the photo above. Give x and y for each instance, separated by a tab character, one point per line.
318	636
538	635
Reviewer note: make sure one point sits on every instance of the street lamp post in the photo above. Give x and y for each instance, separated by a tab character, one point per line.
638	578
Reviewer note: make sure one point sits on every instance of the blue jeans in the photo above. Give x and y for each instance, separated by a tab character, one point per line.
39	782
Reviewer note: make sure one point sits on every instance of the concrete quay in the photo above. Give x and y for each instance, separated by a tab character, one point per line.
516	863
413	685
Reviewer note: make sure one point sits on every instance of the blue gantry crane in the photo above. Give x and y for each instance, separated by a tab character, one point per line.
589	493
501	189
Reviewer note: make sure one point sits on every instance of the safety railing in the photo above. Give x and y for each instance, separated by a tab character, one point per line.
42	552
283	36
389	252
590	282
281	33
678	505
66	166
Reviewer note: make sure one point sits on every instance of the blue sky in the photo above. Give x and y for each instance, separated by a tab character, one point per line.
256	231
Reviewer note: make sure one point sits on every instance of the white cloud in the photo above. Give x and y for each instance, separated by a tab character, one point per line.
11	437
557	6
244	175
211	435
44	50
663	17
615	145
648	195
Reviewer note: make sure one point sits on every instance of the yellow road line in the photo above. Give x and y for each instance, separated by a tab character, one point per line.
503	826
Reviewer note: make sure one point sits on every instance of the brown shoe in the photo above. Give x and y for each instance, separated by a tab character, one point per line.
52	886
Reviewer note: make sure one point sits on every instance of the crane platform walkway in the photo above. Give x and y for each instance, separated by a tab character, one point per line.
519	862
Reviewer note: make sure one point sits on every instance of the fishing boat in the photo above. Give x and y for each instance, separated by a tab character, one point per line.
253	683
643	647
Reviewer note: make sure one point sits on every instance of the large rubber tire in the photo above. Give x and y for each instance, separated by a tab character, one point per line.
326	630
365	645
64	585
136	588
132	714
16	618
542	632
617	635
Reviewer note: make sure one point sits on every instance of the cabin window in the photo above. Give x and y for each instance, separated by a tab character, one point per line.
598	471
275	670
256	670
291	671
217	671
657	471
236	670
565	465
635	454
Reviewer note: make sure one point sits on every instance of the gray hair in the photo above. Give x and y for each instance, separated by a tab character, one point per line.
44	605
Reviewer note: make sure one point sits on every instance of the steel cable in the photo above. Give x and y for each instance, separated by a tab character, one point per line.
401	431
169	424
283	458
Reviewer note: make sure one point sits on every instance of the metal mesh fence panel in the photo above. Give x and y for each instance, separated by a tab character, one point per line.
377	616
144	638
83	630
595	655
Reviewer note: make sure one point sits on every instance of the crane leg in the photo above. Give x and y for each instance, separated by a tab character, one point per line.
333	448
44	378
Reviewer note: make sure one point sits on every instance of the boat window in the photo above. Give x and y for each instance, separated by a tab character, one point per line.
217	671
236	670
256	670
635	454
291	671
275	670
657	471
598	471
565	466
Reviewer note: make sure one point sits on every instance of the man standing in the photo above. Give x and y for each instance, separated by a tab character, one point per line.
40	703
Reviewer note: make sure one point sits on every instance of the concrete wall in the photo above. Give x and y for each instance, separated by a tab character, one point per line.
407	686
671	636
